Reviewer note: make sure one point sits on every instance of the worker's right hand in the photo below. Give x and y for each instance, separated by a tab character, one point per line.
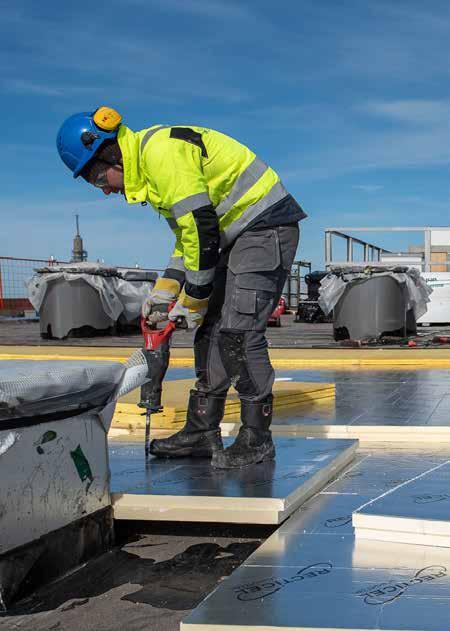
155	313
156	306
191	311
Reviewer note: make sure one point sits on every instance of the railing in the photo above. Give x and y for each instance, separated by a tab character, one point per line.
13	274
371	252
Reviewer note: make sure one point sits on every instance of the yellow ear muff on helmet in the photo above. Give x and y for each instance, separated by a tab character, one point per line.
107	118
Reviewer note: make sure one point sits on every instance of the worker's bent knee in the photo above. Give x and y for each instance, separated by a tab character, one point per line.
232	341
232	347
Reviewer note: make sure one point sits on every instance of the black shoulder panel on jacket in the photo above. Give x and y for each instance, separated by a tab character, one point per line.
189	135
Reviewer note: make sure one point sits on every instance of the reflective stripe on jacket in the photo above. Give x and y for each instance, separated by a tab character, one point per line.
207	185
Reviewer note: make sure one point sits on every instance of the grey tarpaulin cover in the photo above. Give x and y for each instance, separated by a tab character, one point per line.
334	284
31	388
121	292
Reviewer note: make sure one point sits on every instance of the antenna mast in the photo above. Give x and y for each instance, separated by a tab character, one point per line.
79	254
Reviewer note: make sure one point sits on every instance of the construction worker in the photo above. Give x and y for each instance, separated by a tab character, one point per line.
236	230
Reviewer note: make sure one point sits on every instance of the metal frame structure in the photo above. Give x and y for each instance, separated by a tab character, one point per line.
294	283
370	250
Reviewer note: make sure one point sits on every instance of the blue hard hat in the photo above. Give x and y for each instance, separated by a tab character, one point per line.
79	139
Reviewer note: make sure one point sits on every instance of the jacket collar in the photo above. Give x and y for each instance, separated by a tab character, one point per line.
134	182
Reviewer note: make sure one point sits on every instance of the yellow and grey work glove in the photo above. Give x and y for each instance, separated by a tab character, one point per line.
156	305
193	310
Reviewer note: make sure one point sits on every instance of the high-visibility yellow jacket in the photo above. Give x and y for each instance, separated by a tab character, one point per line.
208	186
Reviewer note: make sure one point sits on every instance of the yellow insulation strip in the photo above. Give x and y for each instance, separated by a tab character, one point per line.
287	394
280	358
188	362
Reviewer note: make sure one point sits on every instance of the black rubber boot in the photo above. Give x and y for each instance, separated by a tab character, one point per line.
254	442
200	437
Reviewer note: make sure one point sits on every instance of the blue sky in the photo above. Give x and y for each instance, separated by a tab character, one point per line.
349	100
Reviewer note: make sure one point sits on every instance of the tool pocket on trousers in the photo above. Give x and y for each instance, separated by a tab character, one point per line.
250	308
257	251
239	314
244	301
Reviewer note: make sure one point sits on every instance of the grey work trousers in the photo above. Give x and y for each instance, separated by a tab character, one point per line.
230	347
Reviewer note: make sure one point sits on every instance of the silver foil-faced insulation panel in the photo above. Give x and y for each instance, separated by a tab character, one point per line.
191	490
312	574
417	511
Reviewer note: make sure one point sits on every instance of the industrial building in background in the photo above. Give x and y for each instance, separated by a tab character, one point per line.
438	250
432	256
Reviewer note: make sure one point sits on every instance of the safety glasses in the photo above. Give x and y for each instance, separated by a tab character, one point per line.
96	173
101	180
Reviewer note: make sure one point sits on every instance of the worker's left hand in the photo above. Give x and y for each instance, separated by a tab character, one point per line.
193	310
156	305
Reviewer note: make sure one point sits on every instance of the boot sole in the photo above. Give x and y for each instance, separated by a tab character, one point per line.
205	450
182	453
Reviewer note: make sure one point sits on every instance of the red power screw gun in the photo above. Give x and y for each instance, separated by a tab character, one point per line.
157	353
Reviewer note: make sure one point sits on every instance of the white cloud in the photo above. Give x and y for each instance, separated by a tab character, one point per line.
421	111
369	151
24	86
409	133
404	44
367	188
209	8
53	89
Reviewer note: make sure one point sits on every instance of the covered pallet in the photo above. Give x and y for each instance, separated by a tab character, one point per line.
55	507
86	298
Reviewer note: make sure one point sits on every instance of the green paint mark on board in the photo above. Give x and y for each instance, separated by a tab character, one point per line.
82	465
48	436
45	438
